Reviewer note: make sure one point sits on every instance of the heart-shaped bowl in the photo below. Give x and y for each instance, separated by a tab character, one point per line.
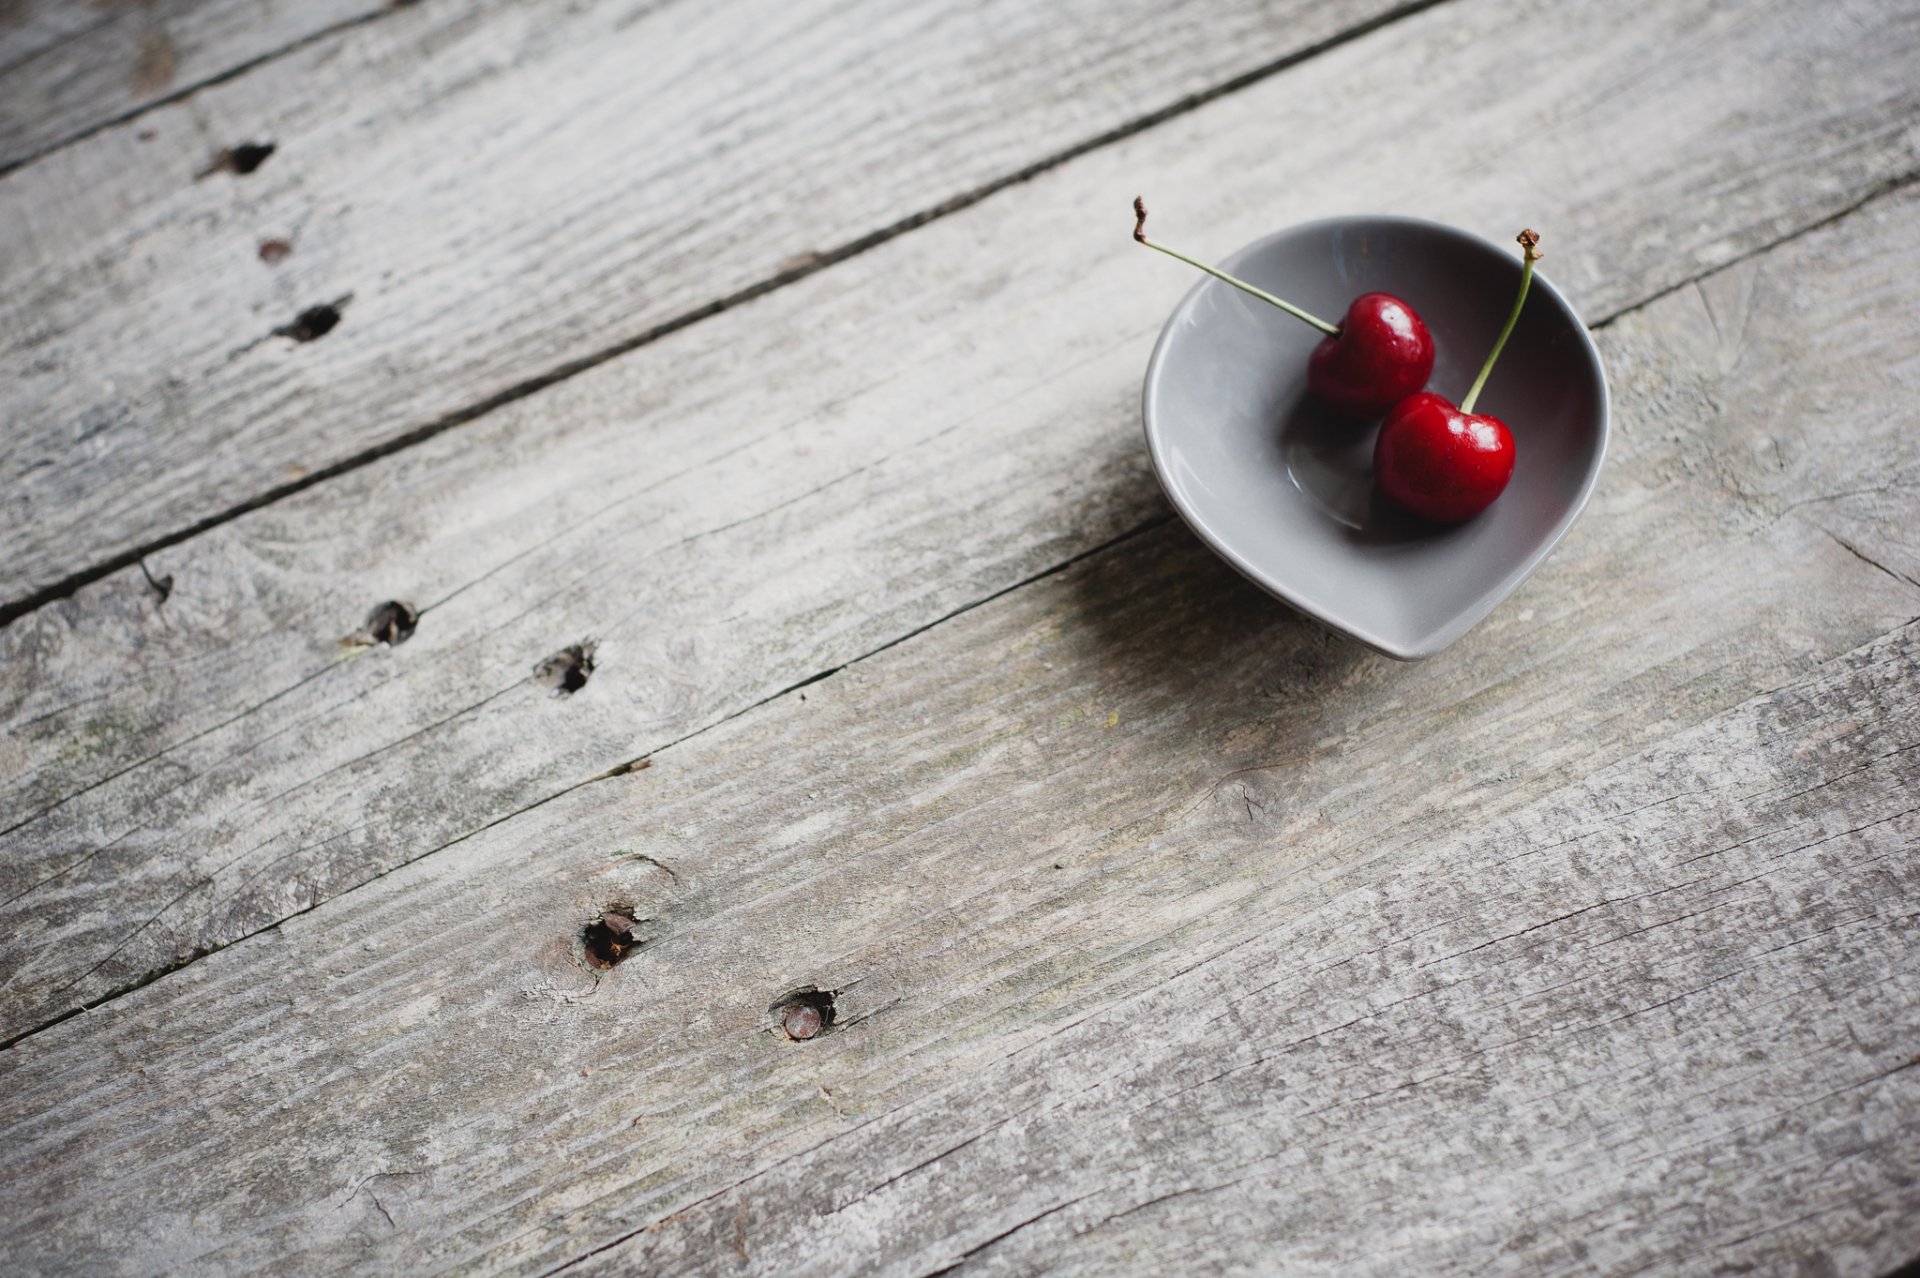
1281	486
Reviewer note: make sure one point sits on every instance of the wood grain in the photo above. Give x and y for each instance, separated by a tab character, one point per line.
191	771
67	68
1532	958
504	193
1664	1021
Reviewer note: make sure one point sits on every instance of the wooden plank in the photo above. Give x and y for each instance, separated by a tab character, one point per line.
504	193
1318	940
67	69
191	771
1663	1021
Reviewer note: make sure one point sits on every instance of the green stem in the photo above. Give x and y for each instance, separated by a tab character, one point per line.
1529	249
1140	234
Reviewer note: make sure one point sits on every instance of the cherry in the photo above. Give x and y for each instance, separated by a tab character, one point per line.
1442	462
1378	357
1445	463
1382	354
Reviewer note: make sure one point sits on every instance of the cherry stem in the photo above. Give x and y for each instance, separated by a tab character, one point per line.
1530	251
1140	233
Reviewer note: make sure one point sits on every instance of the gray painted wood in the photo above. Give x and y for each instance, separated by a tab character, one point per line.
68	68
1165	931
503	192
1662	1021
211	764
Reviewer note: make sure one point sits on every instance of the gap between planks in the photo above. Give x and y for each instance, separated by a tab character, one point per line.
1888	189
68	585
618	770
185	91
976	563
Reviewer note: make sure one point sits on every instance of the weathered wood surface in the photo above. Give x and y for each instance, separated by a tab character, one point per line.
1166	933
1323	967
1665	1021
505	192
68	68
191	771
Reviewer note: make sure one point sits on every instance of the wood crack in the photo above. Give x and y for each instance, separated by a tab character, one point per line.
1869	560
1535	927
157	755
1877	192
1003	1235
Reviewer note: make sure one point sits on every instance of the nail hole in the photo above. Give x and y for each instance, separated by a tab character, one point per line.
805	1013
313	323
249	156
242	159
161	586
276	251
611	937
567	670
391	623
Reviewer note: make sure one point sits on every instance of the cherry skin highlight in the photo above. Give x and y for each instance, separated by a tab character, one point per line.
1382	354
1441	462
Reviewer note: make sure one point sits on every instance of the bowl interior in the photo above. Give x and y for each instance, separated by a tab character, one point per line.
1282	487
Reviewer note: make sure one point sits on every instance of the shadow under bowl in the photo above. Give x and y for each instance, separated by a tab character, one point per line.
1281	486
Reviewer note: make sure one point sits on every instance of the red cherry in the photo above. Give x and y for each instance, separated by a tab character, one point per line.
1382	354
1445	462
1439	462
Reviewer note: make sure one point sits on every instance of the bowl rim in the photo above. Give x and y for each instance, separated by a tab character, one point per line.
1453	630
